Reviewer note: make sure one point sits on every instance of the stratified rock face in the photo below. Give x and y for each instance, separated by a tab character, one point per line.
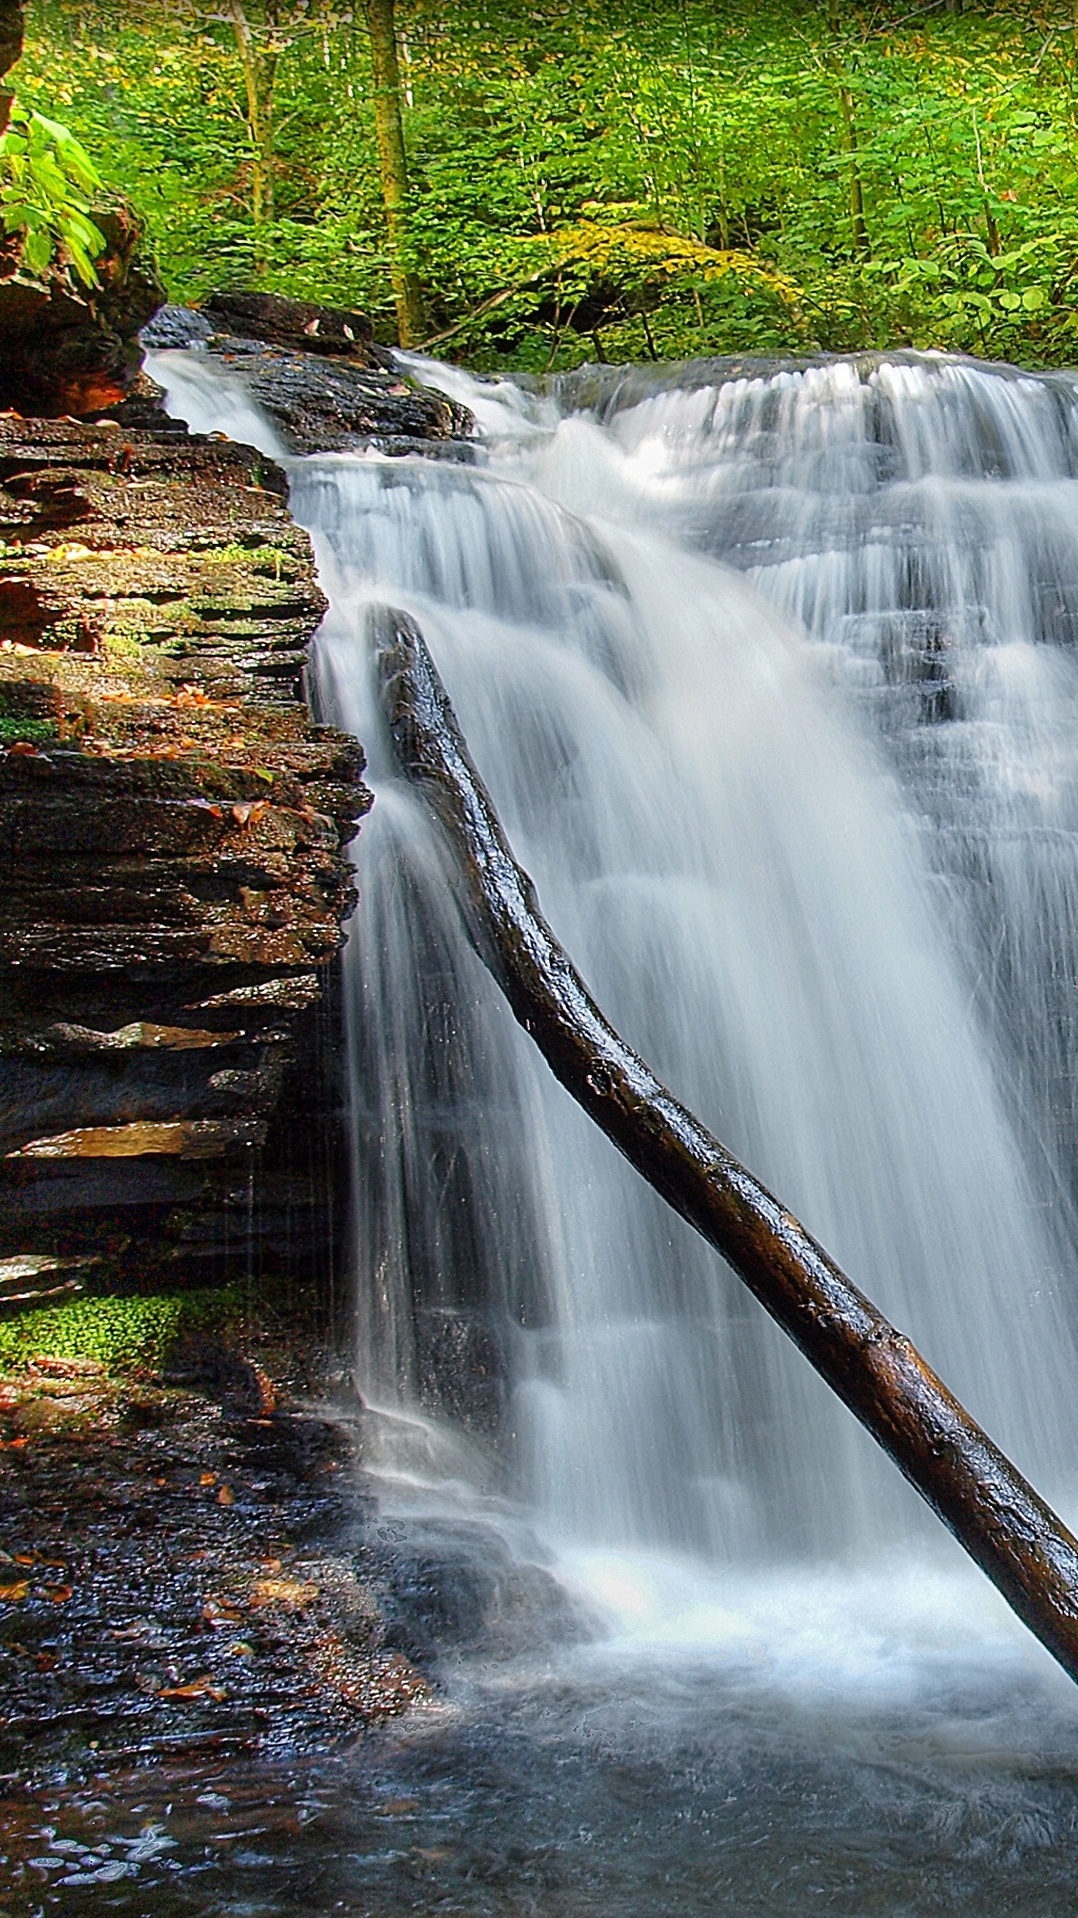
325	392
173	875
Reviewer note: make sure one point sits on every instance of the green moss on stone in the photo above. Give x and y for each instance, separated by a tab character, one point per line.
125	1334
34	731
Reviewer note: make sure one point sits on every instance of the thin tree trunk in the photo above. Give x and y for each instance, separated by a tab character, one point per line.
850	144
259	79
11	25
393	161
993	1512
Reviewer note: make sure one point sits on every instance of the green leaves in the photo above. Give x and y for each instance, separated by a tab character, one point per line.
679	124
45	178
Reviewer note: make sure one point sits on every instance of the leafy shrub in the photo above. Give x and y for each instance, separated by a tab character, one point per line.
46	182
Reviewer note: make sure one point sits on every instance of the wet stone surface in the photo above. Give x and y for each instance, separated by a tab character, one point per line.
178	1578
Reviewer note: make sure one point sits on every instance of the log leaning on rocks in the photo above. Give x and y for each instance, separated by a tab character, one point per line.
994	1513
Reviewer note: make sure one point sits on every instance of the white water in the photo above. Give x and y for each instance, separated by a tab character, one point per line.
809	833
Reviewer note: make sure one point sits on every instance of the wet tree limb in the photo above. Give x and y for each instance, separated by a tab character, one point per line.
1011	1533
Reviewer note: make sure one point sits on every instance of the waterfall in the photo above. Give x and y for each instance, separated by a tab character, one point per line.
772	681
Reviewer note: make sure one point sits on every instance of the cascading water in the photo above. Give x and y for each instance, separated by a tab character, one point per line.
718	842
772	681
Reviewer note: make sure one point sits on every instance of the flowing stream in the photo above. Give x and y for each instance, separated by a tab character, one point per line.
772	677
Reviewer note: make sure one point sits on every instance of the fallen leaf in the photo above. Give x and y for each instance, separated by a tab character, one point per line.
240	1648
22	748
11	1594
226	1496
198	1688
249	811
13	1445
291	1593
59	1594
208	1478
217	1611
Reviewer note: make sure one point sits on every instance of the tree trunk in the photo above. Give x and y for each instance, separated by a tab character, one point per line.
10	48
991	1509
393	161
259	79
850	145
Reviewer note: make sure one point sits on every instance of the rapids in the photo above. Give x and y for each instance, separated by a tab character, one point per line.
772	678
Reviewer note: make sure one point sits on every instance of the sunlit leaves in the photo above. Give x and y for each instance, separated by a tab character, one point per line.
47	180
704	122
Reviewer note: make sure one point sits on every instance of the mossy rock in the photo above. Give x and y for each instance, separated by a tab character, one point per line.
127	1335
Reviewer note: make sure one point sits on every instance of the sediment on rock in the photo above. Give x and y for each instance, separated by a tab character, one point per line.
173	872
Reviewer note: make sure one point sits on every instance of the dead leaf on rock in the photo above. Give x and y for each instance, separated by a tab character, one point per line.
292	1594
13	1594
59	1594
226	1496
218	1611
203	1687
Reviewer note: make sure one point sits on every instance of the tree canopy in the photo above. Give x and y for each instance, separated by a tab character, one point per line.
615	177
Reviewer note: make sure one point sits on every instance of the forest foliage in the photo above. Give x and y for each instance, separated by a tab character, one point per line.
621	178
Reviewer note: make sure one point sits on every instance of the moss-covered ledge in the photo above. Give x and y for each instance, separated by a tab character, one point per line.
173	870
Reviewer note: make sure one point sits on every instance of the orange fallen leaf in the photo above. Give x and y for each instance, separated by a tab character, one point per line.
13	1445
198	1688
59	1594
226	1496
11	1594
25	1558
291	1593
218	1611
208	1478
23	748
249	811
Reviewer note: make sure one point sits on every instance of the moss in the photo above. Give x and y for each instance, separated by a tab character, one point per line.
261	559
125	1334
34	731
123	641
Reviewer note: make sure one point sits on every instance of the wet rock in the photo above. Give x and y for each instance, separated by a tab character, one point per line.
298	324
173	869
317	372
175	326
326	405
151	1604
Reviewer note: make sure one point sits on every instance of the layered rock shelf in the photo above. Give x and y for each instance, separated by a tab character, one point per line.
174	879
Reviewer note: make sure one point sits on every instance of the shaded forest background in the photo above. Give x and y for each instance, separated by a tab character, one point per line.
615	180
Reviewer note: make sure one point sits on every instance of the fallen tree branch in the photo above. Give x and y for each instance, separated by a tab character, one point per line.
1011	1533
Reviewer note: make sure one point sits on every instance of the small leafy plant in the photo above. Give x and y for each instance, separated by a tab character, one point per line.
47	180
